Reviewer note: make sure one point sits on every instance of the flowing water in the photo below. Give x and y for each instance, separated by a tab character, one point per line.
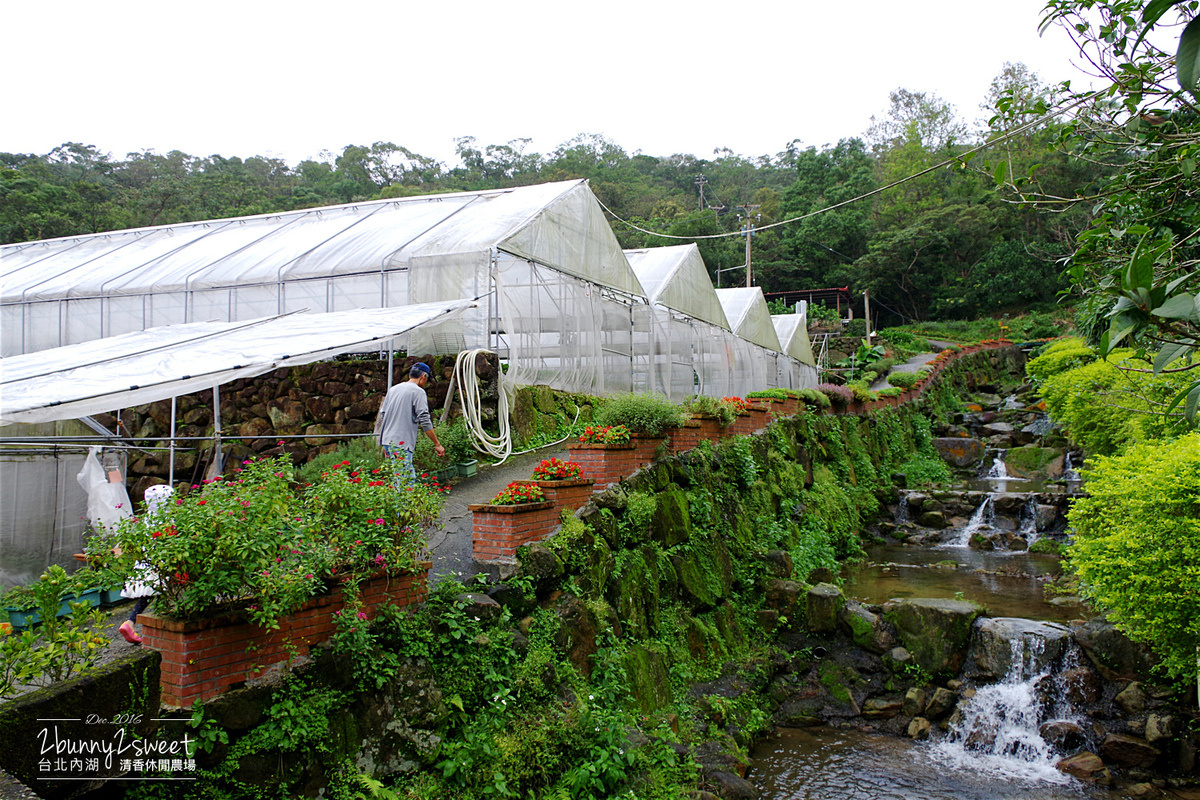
993	750
844	764
985	514
1006	583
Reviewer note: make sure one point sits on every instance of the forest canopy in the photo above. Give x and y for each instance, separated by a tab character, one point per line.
946	245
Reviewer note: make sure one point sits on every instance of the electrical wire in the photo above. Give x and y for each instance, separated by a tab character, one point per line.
958	159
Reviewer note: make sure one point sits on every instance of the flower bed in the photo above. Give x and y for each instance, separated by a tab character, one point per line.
202	658
561	483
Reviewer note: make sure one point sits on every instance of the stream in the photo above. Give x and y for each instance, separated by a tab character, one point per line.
994	749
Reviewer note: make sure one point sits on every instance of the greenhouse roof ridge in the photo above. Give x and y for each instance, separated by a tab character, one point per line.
676	277
297	212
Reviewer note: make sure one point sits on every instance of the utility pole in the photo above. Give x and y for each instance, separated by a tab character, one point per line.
701	182
867	312
748	231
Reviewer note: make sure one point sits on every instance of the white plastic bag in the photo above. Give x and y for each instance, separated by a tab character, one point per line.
108	503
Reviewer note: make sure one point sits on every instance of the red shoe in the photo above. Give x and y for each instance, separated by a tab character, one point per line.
128	632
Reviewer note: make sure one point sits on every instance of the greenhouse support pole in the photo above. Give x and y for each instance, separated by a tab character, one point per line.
215	467
391	360
171	461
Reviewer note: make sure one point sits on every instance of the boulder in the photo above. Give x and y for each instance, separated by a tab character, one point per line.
480	607
1132	699
540	563
649	677
866	628
882	708
935	631
1063	734
914	702
1160	727
778	564
671	523
731	786
1129	751
919	728
1082	685
996	640
824	602
1114	655
782	595
935	520
959	452
1031	461
941	704
1086	767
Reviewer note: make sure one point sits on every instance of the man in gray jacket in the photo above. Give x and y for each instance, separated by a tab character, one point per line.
403	415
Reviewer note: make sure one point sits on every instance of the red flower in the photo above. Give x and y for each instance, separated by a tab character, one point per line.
201	502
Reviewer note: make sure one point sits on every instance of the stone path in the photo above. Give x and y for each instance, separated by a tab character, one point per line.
913	364
450	539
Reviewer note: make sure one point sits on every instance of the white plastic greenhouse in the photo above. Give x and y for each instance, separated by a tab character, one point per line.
533	273
792	330
562	303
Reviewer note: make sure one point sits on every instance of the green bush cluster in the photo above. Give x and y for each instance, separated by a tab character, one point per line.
1059	357
904	380
1137	544
648	414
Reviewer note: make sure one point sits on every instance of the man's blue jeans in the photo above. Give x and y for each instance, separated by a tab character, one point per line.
404	474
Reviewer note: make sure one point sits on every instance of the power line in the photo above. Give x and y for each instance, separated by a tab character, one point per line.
958	159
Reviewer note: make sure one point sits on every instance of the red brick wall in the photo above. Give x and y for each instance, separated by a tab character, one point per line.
606	464
203	658
497	531
571	494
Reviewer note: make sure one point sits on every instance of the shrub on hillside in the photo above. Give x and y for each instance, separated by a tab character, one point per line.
648	414
904	380
1137	541
838	395
1059	357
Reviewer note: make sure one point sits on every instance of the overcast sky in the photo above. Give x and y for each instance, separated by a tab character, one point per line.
291	79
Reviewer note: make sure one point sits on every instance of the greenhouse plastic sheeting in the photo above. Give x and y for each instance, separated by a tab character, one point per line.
748	315
142	367
66	291
792	330
676	278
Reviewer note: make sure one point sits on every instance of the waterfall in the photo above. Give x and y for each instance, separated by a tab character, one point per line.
1028	526
1071	475
996	732
984	515
998	469
902	514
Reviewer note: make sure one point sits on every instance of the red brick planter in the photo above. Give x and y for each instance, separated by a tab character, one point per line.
686	437
742	425
647	448
206	657
570	493
606	464
497	531
711	427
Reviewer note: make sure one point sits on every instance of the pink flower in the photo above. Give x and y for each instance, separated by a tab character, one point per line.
362	615
379	521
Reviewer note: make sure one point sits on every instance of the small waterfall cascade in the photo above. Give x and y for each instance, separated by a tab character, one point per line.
1011	402
1071	475
902	512
1041	426
997	469
984	515
1028	525
997	732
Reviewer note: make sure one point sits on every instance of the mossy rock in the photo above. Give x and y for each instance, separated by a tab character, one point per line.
634	595
705	573
935	631
523	415
725	618
671	523
823	603
1036	462
649	678
544	400
703	640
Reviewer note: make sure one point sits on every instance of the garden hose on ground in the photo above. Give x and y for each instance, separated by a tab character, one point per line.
468	386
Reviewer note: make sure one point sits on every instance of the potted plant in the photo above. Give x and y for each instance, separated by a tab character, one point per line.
50	597
457	441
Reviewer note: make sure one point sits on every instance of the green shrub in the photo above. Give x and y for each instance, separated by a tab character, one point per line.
1105	407
891	391
813	397
648	414
363	453
1137	543
777	394
700	404
1060	356
903	380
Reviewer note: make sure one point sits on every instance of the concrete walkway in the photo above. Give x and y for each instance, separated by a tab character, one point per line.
913	364
450	536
